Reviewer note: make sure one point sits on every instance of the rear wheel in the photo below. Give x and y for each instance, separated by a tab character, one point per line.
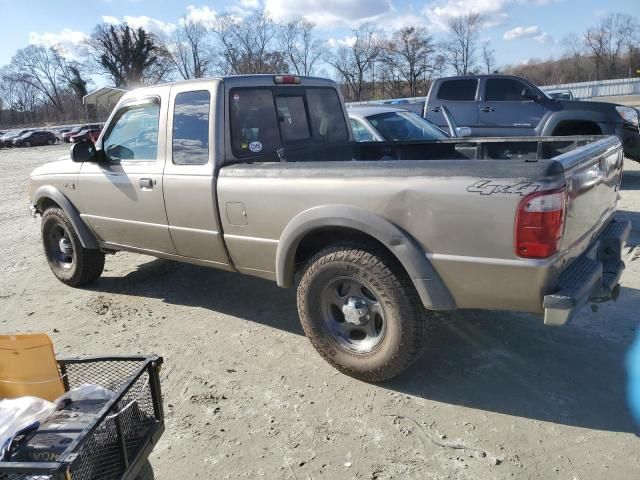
69	261
361	312
49	142
27	143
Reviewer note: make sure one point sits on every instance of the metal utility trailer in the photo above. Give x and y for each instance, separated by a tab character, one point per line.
116	446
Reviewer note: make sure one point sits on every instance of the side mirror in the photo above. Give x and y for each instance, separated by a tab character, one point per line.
530	94
462	132
85	152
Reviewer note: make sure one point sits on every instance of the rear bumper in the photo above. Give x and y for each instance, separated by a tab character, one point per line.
592	277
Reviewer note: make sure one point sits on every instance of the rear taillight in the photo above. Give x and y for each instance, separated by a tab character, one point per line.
539	224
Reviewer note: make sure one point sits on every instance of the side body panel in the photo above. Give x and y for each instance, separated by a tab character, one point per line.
190	190
123	201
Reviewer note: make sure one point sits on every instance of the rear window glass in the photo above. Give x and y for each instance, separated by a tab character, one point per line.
504	90
292	118
463	90
327	117
264	119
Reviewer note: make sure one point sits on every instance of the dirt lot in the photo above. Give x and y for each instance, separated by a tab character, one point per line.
498	395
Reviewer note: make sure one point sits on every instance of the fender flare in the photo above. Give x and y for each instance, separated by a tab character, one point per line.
567	116
430	287
87	239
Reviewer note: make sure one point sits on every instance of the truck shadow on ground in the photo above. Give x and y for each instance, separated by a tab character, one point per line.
515	365
496	361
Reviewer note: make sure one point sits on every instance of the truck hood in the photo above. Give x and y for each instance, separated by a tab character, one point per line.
63	166
586	106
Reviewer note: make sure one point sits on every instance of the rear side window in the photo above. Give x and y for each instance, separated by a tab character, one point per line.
463	90
504	90
191	128
292	118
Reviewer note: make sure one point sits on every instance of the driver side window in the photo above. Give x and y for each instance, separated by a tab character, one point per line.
134	135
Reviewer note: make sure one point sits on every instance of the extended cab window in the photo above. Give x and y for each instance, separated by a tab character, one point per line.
264	119
134	133
191	128
504	90
463	90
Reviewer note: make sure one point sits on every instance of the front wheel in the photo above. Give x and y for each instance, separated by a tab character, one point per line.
361	312
69	261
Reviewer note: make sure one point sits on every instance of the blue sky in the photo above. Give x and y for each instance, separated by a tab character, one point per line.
518	29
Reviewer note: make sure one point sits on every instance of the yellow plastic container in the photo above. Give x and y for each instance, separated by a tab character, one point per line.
28	367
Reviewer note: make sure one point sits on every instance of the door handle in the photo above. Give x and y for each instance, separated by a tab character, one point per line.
147	183
487	109
436	109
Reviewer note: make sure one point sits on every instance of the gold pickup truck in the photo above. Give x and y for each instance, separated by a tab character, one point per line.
259	175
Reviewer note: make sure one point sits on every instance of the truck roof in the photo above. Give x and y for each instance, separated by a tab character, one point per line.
249	79
483	75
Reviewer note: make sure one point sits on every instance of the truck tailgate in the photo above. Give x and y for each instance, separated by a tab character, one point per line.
592	175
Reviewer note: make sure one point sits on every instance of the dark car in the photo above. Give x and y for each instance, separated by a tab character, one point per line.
37	137
89	134
7	139
504	105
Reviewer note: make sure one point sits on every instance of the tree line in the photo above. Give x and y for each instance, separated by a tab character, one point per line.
41	84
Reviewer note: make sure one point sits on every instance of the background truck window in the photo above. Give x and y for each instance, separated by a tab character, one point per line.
504	90
191	128
134	136
458	90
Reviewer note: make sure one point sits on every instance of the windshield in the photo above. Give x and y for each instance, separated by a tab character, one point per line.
401	125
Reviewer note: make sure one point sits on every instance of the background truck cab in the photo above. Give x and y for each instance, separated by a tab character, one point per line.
506	106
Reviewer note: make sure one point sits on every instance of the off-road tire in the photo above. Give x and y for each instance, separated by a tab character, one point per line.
86	265
405	316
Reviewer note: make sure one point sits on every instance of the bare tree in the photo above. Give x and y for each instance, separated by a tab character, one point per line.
248	45
460	50
488	57
127	55
189	49
355	61
408	56
42	68
607	40
299	47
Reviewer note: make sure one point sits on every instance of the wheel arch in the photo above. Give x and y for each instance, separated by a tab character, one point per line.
557	120
331	218
48	196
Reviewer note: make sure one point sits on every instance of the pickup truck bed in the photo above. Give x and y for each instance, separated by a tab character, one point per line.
453	205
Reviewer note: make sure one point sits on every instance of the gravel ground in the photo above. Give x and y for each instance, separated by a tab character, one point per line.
497	395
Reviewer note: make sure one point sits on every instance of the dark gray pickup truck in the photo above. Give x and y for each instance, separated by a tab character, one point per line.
504	106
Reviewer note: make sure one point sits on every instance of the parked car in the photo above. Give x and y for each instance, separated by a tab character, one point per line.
372	123
258	174
36	137
66	137
504	105
89	134
7	139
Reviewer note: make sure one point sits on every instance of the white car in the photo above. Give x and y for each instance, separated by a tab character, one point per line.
381	123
